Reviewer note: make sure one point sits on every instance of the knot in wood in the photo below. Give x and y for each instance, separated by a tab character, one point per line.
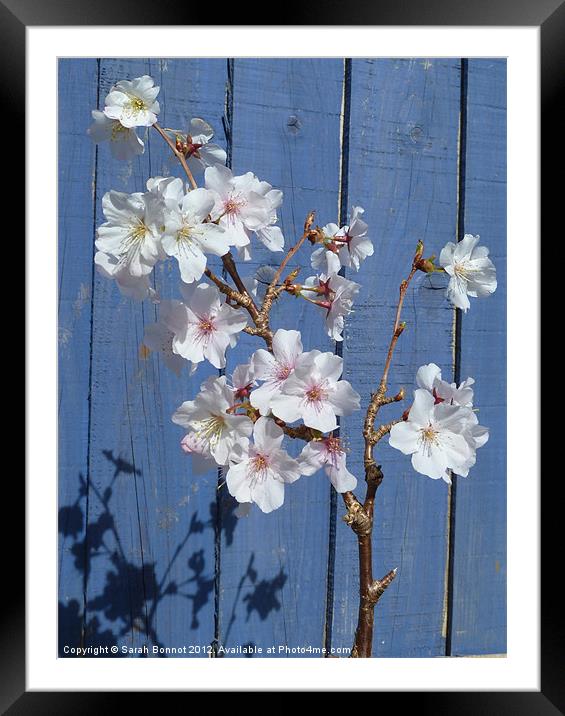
359	521
373	473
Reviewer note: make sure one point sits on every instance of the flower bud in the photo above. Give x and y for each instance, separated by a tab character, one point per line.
426	265
400	329
316	236
295	289
419	252
291	276
309	221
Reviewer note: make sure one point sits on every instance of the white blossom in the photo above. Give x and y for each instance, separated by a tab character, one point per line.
336	297
202	460
470	270
258	471
329	454
200	152
133	102
243	205
207	416
124	142
188	238
429	378
434	434
271	236
354	246
314	393
136	287
274	368
159	338
243	381
203	325
326	257
132	232
170	190
346	246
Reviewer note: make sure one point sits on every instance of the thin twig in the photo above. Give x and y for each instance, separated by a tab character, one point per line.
272	289
360	516
179	155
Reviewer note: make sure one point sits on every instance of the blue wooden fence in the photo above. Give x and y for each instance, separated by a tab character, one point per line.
150	554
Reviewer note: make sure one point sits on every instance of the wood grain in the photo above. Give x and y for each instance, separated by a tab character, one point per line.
78	84
479	556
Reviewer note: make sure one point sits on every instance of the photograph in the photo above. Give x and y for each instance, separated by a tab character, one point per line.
282	343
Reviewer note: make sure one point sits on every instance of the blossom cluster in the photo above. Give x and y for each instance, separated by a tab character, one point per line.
167	221
441	430
240	424
286	385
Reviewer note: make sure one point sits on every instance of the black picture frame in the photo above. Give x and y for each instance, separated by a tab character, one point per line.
549	15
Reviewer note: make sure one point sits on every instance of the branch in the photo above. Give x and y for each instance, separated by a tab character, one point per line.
360	516
179	155
244	300
273	290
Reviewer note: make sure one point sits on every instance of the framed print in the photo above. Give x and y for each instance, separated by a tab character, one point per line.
284	291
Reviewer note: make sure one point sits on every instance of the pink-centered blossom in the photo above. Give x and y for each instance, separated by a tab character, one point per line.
243	206
259	470
203	325
435	435
429	378
328	454
274	368
200	151
313	393
334	294
216	429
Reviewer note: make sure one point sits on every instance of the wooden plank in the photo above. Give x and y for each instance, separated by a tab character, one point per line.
403	171
150	540
78	87
479	555
287	131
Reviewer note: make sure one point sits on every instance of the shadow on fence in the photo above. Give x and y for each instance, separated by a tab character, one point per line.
131	593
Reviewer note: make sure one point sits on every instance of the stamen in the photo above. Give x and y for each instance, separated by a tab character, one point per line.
258	468
206	325
210	429
233	205
282	371
429	438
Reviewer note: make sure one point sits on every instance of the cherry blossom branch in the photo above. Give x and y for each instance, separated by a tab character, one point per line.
242	299
379	398
274	290
179	155
231	268
360	516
